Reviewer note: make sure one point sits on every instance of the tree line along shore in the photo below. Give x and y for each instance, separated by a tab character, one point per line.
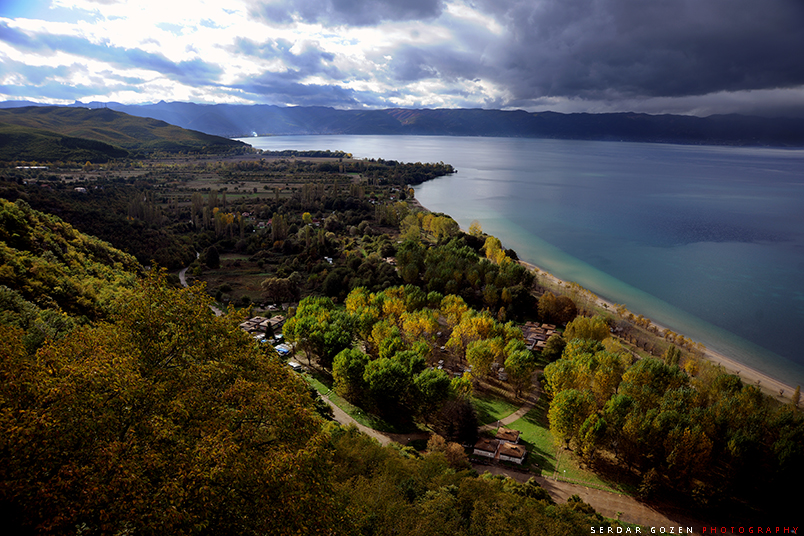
377	293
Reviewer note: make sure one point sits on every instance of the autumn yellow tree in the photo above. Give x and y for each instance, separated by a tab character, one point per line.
169	420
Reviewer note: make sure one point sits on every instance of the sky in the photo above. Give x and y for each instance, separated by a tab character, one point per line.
697	57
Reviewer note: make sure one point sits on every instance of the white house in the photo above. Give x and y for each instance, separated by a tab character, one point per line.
510	452
486	447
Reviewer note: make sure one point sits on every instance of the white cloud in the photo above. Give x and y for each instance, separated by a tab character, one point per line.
502	53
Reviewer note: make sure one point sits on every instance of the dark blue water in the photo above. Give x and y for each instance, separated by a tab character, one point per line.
706	240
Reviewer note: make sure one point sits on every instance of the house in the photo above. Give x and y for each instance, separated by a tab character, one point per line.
274	323
486	447
533	334
512	453
252	325
506	435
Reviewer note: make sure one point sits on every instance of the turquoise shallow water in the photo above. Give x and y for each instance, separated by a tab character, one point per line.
706	240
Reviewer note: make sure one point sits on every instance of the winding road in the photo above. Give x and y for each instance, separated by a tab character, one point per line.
183	280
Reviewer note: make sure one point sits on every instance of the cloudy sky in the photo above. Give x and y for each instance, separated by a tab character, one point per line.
657	56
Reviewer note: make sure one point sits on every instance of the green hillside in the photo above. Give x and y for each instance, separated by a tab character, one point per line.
23	143
46	263
68	133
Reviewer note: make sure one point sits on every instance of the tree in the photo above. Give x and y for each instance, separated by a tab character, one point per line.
583	327
472	327
672	355
648	379
432	387
564	374
568	411
520	366
348	368
481	354
281	289
566	309
211	258
590	436
457	421
420	325
554	347
559	309
166	420
388	384
320	329
453	307
453	452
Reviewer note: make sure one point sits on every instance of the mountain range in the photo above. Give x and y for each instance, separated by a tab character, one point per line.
237	121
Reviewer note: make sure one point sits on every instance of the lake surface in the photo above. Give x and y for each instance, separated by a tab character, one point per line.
708	241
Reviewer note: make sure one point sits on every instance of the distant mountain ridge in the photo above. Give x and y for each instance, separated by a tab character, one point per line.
231	120
241	121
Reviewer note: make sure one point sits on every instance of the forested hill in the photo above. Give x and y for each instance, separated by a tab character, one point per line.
45	264
48	133
163	418
241	120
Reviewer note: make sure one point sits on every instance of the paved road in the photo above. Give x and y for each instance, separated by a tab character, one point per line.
183	280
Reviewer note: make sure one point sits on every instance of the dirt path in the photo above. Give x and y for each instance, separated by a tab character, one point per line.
345	419
608	504
530	403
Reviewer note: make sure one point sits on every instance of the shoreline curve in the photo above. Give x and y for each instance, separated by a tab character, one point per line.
776	389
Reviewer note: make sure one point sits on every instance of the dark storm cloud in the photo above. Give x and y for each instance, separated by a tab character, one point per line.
410	63
610	49
193	72
346	12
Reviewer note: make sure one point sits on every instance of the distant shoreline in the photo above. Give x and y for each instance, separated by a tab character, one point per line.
749	375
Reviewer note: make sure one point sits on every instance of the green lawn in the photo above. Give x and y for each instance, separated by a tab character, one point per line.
323	384
548	459
491	408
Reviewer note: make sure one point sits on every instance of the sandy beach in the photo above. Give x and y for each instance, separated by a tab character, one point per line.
770	386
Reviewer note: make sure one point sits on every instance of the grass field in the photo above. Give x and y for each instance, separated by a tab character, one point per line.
545	457
491	408
323	384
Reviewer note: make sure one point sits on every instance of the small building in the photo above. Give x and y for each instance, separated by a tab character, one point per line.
507	435
512	453
486	447
534	333
274	323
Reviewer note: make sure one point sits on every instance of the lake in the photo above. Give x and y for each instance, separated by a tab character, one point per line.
708	241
